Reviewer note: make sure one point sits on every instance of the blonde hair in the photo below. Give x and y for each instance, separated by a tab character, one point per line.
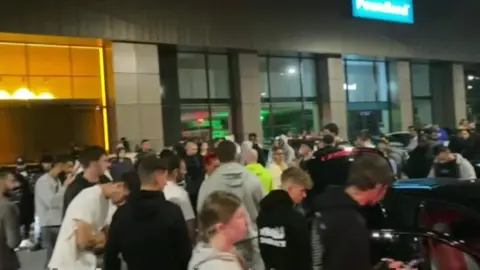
218	207
297	176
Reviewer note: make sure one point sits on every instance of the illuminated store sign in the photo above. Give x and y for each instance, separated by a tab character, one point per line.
400	11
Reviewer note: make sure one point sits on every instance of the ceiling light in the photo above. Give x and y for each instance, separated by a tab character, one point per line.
4	95
469	87
23	93
45	96
263	94
470	77
291	70
350	87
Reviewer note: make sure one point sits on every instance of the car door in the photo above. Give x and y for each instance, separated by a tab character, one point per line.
459	221
400	139
421	247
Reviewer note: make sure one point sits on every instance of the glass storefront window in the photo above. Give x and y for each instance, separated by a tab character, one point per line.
219	77
204	89
308	77
366	81
422	112
472	90
371	94
192	82
421	94
286	118
375	121
288	86
396	116
360	81
201	121
284	77
420	80
192	76
311	117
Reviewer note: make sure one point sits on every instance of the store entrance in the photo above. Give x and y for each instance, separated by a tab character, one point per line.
370	120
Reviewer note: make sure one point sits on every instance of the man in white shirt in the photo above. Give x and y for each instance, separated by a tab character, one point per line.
83	231
178	195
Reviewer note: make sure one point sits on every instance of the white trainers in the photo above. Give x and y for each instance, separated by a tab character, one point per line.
26	244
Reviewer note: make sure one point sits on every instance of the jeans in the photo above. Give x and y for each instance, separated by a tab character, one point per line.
49	238
37	230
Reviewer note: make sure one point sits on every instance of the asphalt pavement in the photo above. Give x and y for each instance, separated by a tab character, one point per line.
32	260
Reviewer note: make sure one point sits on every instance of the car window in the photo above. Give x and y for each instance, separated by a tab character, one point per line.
403	138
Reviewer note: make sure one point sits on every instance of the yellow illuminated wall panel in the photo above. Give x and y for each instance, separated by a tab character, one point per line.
74	74
14	59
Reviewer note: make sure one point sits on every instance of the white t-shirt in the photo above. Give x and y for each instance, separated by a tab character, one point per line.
92	207
179	196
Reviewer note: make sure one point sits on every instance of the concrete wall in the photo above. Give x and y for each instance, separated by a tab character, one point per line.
138	107
405	93
250	104
332	97
442	29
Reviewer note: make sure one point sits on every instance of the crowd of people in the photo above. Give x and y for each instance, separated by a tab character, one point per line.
223	205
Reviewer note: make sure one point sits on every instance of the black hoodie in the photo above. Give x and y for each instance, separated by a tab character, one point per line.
328	166
345	242
284	237
147	231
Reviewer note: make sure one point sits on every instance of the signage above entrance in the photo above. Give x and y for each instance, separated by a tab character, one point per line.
399	11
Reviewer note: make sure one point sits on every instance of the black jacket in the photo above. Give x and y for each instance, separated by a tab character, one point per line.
284	237
470	148
23	196
79	184
148	230
344	243
195	173
419	162
328	166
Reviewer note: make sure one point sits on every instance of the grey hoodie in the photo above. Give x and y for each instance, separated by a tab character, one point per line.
204	257
465	168
234	178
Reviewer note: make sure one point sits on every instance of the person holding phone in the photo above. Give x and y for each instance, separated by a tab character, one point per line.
340	237
49	192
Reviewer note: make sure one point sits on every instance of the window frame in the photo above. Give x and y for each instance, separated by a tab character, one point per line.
269	101
374	62
414	97
209	101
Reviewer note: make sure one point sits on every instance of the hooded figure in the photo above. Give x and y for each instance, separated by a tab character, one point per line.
289	152
450	165
232	177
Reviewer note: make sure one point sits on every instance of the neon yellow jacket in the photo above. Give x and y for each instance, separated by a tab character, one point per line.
263	174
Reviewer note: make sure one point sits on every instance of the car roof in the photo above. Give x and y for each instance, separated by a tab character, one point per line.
465	193
434	183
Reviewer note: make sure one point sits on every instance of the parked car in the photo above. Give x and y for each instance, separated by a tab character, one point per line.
433	221
399	139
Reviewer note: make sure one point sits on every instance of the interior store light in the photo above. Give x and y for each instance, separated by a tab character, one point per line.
24	94
350	87
4	95
291	70
45	96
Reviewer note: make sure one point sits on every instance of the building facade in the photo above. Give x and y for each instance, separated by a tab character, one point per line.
196	68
